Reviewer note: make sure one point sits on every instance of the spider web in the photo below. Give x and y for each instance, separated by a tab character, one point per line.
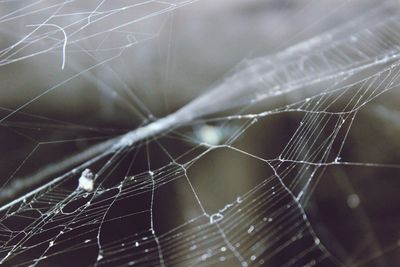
175	190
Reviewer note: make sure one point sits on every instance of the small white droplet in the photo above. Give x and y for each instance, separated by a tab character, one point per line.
204	257
251	229
210	135
353	201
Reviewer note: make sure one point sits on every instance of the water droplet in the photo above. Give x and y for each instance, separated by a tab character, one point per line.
251	229
353	201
